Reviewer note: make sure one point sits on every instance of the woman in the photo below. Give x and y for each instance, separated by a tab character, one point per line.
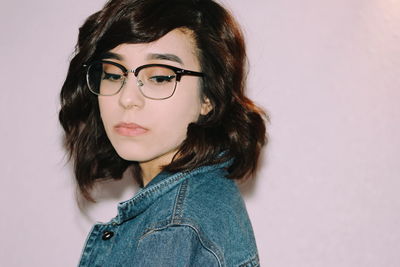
156	87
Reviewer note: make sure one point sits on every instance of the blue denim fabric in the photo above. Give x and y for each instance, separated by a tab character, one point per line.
195	218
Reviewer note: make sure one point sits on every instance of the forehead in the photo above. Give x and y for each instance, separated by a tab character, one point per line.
177	46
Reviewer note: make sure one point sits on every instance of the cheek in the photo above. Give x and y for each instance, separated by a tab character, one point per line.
186	106
170	119
106	107
174	119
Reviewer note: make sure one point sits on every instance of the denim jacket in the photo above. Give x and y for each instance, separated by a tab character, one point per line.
195	218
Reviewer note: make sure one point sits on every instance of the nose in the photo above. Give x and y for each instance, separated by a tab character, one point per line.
130	95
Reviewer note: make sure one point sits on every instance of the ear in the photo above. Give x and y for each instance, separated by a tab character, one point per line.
206	106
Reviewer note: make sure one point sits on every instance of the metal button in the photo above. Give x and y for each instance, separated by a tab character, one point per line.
107	235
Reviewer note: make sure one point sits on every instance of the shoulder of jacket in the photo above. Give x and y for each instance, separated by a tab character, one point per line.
183	233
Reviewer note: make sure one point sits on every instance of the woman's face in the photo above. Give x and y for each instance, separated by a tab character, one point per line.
145	130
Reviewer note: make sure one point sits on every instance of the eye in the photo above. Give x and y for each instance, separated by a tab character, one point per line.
112	77
161	79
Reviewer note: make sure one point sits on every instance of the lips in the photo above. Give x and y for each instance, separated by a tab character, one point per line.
129	129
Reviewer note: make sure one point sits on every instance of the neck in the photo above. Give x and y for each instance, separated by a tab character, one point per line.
149	171
153	167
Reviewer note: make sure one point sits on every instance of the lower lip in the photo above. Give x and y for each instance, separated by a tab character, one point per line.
127	131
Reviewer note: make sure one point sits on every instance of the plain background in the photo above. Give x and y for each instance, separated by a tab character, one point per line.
327	193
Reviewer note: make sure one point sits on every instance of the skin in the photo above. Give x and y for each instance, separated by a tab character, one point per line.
165	121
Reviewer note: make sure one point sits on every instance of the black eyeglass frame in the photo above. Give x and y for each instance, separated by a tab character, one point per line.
178	72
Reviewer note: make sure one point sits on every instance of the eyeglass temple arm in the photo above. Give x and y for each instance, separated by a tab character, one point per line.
182	72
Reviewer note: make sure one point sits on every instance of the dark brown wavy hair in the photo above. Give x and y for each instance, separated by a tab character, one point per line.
233	130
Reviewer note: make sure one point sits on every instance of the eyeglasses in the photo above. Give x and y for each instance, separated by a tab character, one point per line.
155	81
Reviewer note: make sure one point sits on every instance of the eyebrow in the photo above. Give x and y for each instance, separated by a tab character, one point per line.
170	57
111	55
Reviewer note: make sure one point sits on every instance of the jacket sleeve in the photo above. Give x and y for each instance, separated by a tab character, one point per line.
177	246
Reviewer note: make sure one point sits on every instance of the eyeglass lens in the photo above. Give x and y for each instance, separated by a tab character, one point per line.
155	82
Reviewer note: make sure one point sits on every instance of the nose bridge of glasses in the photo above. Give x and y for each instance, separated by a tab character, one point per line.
135	73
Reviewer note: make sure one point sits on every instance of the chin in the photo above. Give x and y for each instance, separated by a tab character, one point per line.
129	156
159	157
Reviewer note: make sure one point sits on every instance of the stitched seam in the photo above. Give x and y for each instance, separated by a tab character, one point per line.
163	184
187	225
180	198
89	245
254	262
144	194
168	181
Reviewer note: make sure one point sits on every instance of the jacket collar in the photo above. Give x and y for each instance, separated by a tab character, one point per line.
159	185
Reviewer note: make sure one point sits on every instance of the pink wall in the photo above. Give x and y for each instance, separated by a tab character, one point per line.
327	194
